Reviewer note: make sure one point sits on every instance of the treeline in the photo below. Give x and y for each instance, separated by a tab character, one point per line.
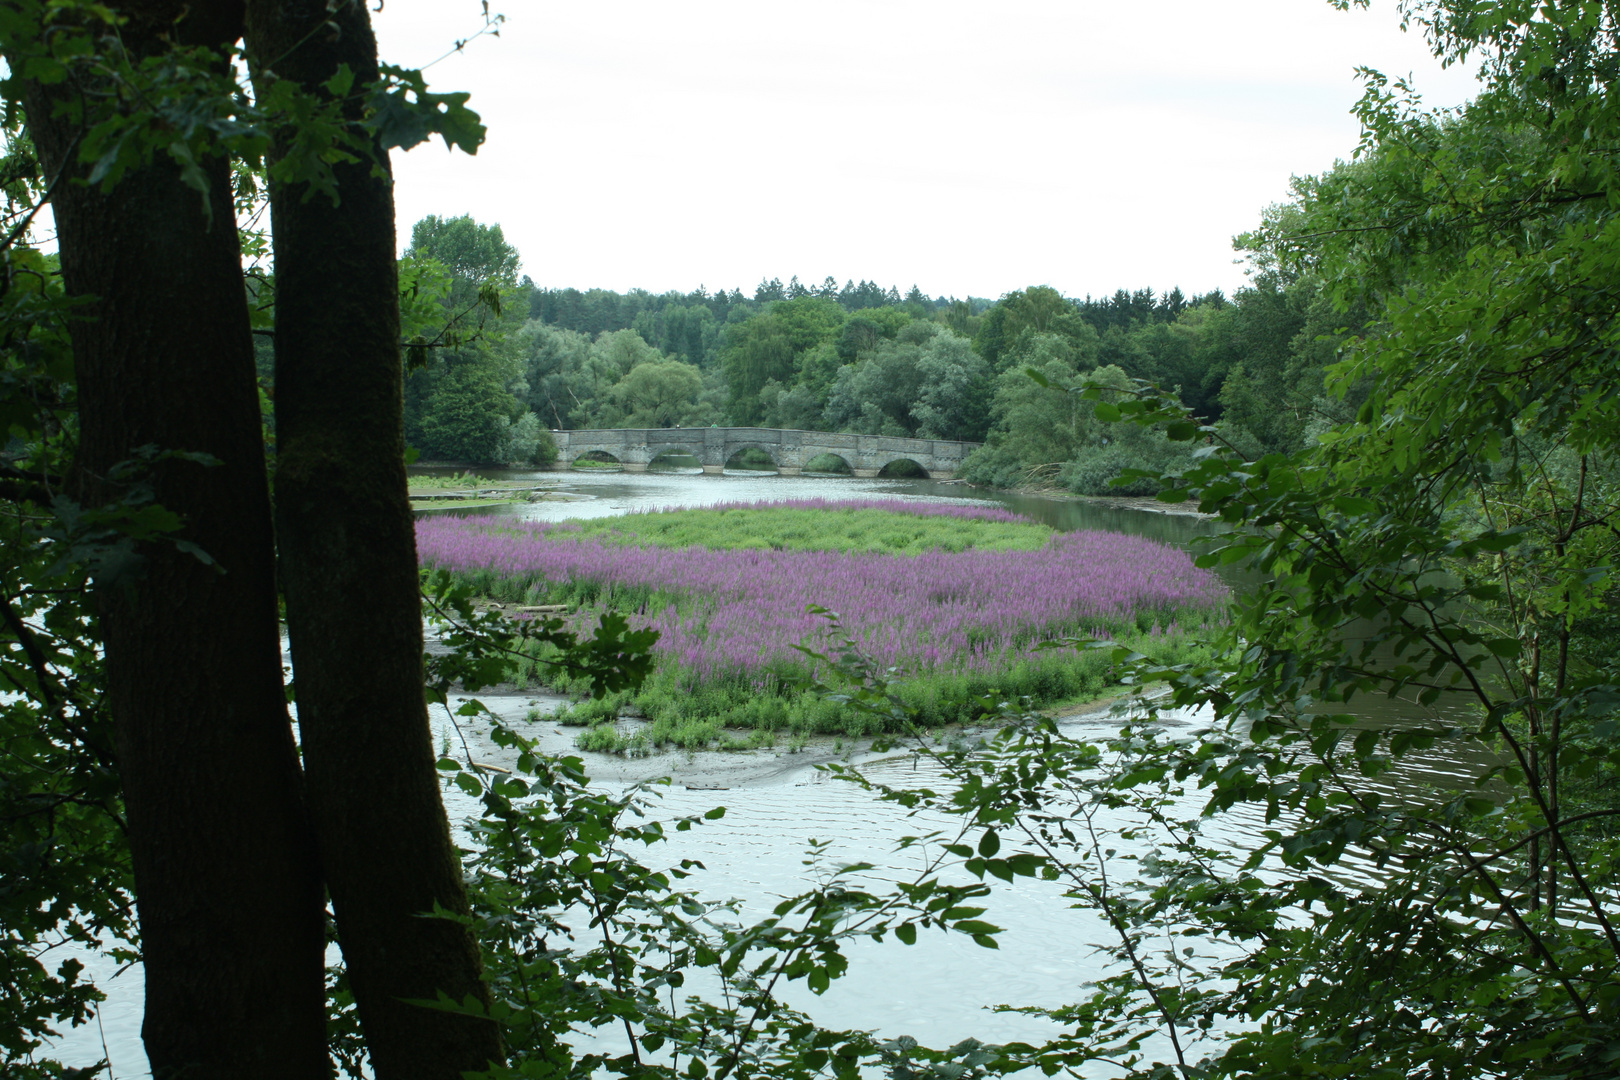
496	362
1252	365
673	321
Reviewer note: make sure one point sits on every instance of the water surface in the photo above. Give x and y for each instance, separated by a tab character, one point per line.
937	990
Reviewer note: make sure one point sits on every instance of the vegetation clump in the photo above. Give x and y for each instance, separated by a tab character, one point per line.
888	526
961	622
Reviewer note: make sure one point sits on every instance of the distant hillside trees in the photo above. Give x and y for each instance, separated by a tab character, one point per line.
1254	364
463	391
857	357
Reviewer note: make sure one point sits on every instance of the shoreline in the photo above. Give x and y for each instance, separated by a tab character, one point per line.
1147	504
1144	503
701	770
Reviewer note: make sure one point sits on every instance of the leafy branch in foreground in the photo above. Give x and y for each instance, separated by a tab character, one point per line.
601	961
484	645
1281	897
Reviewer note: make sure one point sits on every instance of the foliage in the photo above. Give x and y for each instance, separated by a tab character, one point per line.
66	887
661	393
464	417
586	939
1040	436
758	351
1449	544
670	712
526	442
471	252
465	389
187	104
617	380
482	645
859	359
1444	534
927	382
1255	365
453	482
1040	309
65	880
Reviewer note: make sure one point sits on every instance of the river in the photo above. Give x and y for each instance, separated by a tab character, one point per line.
777	802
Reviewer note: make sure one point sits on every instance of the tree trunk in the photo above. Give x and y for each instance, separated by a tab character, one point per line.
227	887
349	571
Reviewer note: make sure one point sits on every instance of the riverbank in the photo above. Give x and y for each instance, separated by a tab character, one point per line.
534	717
1147	504
467	492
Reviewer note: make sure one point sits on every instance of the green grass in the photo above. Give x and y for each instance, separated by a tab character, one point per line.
742	714
787	528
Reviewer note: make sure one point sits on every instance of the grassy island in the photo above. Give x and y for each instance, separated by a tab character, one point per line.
957	598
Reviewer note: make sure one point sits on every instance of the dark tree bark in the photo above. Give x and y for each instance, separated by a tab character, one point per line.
349	572
227	884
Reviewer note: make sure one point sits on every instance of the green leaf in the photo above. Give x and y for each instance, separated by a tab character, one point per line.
976	927
340	83
1354	506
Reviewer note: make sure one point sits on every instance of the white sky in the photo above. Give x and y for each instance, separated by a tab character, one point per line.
970	148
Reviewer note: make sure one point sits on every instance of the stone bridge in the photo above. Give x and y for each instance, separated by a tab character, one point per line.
866	455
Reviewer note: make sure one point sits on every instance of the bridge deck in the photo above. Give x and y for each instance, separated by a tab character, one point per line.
789	449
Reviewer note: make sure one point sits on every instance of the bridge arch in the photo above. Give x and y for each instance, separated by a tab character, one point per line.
829	462
657	449
903	468
594	458
735	450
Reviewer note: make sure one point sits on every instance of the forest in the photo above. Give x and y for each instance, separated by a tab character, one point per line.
859	358
520	360
1403	435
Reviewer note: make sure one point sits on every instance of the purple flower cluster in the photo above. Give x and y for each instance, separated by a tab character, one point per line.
739	612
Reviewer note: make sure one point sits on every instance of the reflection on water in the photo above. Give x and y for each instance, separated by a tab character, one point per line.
936	990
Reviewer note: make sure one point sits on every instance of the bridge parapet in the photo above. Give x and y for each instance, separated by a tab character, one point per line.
789	449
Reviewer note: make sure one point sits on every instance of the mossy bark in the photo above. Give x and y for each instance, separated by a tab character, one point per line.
226	879
349	572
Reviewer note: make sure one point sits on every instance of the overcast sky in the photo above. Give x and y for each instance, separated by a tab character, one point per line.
969	148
